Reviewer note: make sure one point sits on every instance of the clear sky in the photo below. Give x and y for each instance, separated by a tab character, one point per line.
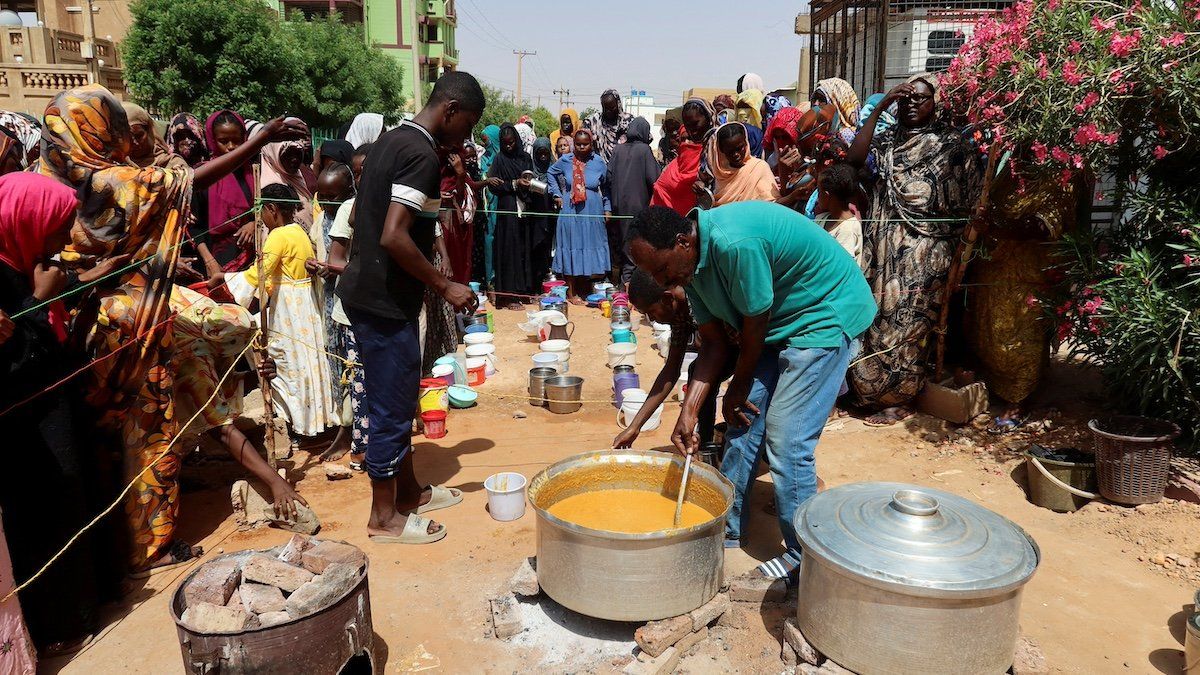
661	46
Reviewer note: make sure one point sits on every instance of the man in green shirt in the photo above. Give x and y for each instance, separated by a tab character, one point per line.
800	303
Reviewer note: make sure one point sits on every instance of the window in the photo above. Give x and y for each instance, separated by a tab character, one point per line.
945	41
936	64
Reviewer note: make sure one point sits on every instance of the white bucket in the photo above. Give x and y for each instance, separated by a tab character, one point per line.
478	338
664	343
546	359
659	328
444	369
632	401
556	347
506	495
483	351
622	354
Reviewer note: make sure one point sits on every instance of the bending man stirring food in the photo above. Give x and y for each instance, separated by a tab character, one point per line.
799	303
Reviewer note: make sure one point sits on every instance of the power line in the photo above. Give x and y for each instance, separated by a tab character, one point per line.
488	22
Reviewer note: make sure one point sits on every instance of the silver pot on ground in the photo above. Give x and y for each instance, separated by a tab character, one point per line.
629	577
905	579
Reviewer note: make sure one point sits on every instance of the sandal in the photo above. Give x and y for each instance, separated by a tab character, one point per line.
441	498
181	553
416	531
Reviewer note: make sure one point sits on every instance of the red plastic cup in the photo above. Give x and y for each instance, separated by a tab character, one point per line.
435	423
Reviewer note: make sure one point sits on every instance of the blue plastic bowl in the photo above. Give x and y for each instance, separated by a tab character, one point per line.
462	396
477	328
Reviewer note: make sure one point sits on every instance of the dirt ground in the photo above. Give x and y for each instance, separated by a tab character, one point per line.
1101	602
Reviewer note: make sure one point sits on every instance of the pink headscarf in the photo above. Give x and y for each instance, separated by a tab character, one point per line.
785	121
33	208
302	181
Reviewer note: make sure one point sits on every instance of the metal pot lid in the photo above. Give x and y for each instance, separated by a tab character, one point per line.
916	540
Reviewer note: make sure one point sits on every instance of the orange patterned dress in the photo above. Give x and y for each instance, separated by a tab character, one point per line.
127	210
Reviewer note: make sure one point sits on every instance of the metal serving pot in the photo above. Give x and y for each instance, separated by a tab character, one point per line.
904	579
621	576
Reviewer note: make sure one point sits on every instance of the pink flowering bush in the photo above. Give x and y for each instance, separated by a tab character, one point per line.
1095	87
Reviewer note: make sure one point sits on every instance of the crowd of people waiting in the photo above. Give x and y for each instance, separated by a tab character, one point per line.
128	257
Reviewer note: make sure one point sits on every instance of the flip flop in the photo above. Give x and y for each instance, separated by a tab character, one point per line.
183	553
1007	425
416	531
441	498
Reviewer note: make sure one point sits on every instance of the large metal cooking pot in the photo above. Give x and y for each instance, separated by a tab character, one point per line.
904	579
621	576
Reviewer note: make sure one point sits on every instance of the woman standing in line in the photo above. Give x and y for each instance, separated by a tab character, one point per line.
514	246
581	246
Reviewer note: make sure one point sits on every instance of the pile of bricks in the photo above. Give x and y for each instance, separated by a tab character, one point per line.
245	592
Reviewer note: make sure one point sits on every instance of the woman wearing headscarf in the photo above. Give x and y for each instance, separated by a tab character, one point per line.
514	246
284	163
837	92
525	131
723	107
631	173
738	176
185	137
927	180
749	81
457	216
542	206
227	244
27	132
608	125
568	124
675	187
886	119
579	184
754	136
138	213
749	107
486	238
10	152
365	128
36	214
771	105
335	151
146	148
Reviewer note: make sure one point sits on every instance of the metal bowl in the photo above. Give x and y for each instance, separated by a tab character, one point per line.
622	576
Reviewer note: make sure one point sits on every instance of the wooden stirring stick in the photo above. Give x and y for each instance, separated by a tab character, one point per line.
687	468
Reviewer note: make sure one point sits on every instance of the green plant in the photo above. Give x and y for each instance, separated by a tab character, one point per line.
500	109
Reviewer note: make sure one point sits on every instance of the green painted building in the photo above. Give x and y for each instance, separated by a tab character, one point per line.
395	26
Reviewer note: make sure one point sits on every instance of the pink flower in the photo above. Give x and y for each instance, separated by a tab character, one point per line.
1039	151
1075	47
1052	5
1031	302
1100	25
1061	156
1185	232
1064	331
1064	178
1100	196
1160	152
1173	40
1171	64
1187	260
1089	99
1077	161
1122	45
1071	74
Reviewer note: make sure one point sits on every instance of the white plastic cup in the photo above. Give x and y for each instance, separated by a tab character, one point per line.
506	495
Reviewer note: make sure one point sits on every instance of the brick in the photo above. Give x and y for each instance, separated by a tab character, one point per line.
757	588
268	570
525	582
326	553
506	617
692	640
205	617
214	583
709	612
736	617
799	644
235	601
337	472
663	664
788	655
1028	658
260	598
324	590
268	619
828	668
655	637
296	545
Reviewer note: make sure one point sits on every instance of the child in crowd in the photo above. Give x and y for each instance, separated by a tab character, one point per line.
301	391
838	186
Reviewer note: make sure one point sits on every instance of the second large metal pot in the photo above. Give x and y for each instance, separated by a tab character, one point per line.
904	579
629	577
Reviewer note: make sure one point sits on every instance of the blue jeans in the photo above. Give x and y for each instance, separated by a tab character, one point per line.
794	390
390	352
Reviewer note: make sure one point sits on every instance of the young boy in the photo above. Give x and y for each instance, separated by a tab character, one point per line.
838	186
383	290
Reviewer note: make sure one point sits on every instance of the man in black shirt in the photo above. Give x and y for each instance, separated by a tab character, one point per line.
383	290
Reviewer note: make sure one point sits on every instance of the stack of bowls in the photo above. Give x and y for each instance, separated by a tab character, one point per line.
559	348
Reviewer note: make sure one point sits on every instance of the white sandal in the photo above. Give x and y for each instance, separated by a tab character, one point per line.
416	531
441	498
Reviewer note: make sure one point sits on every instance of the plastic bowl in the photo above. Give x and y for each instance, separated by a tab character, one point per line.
478	338
462	396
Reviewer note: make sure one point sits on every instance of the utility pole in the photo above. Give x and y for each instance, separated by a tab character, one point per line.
521	54
88	48
561	93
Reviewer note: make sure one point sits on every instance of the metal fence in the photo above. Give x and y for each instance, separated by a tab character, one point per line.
877	44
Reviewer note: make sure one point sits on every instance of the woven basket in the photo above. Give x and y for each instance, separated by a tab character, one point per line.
1133	457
